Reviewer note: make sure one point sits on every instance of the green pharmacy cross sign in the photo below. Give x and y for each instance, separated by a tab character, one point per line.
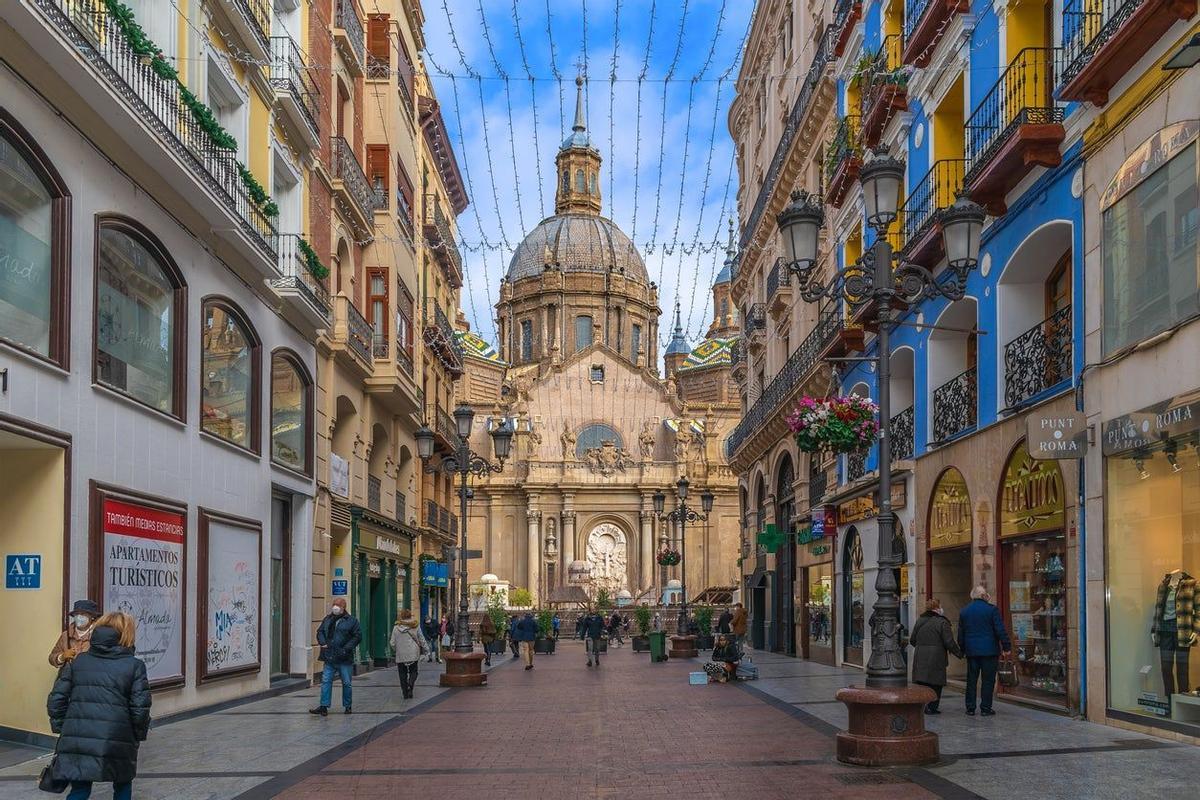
770	538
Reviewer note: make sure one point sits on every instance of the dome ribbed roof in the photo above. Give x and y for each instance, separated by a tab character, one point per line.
577	243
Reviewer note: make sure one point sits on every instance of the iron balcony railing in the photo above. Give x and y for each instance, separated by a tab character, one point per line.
446	428
378	68
374	493
845	143
404	216
290	73
737	354
403	357
440	237
294	274
439	336
818	70
913	11
359	333
779	276
1087	26
886	69
379	345
347	19
933	193
903	434
256	14
443	519
347	169
797	368
818	484
856	465
431	514
955	405
1022	96
1038	359
756	318
401	507
159	104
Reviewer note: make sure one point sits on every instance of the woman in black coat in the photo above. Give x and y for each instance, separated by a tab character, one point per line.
932	639
100	707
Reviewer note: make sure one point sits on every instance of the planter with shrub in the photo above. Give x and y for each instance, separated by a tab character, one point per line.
643	617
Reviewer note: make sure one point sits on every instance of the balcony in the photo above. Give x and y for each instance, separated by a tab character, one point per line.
884	90
843	160
779	288
756	326
737	361
431	514
955	405
440	239
352	332
933	194
1103	39
404	360
296	92
764	416
903	435
1038	359
379	346
374	493
925	21
445	431
846	14
351	187
818	484
251	20
439	338
297	283
856	466
1016	128
348	36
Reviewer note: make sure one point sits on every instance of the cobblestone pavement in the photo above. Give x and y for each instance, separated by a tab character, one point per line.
630	729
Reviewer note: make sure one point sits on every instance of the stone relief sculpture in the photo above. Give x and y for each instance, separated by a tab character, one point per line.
683	440
646	441
608	458
606	553
551	538
567	438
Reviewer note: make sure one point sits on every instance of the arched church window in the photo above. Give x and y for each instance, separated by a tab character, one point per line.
583	332
526	340
594	436
593	183
579	184
566	180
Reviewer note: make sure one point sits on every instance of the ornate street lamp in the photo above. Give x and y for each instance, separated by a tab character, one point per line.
882	277
463	665
683	643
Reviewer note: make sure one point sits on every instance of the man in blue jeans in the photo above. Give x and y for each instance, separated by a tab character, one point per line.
982	638
338	634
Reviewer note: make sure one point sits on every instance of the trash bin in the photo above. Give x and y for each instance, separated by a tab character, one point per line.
658	646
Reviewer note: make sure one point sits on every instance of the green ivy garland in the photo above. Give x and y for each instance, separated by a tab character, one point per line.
257	193
313	263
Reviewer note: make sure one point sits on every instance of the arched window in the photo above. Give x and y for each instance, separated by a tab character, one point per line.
579	184
291	412
35	213
583	332
229	375
566	180
140	308
592	183
853	598
596	435
526	340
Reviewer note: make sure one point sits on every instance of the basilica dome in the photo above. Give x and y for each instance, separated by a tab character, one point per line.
577	242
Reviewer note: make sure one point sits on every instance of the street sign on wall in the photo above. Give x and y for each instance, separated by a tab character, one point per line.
1053	436
23	571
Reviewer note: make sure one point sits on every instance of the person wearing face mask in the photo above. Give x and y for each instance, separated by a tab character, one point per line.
77	638
932	639
338	635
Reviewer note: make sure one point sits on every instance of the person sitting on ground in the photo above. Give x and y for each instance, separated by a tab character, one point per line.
725	658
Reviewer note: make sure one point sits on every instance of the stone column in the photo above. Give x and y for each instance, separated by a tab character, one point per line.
534	554
567	540
489	534
647	558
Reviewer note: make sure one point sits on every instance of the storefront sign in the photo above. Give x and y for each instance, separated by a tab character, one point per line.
824	522
1164	420
950	512
434	573
234	579
23	571
819	549
339	476
1032	498
143	576
341	588
1056	435
374	569
387	544
1152	154
865	507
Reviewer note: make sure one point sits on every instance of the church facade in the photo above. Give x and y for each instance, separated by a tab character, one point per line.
598	430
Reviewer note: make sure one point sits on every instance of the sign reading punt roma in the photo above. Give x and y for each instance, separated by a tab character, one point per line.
144	577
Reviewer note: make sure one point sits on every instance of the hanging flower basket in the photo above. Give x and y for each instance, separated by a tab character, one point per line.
669	558
835	424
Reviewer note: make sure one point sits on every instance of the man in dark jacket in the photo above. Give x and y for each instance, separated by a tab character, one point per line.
981	637
526	632
724	621
100	706
512	636
338	634
429	629
593	629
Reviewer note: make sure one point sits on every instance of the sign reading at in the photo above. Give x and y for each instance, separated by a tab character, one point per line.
1052	436
143	577
1032	500
950	512
23	571
341	588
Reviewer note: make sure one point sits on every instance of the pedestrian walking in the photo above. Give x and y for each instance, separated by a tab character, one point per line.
593	630
429	629
982	638
487	635
512	635
932	640
526	632
555	624
76	638
447	631
723	622
408	645
100	707
658	621
738	624
579	626
615	627
338	635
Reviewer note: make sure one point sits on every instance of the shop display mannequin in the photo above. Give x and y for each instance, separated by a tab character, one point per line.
1174	629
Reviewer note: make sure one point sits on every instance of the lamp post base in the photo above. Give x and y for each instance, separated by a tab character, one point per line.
463	669
683	647
887	727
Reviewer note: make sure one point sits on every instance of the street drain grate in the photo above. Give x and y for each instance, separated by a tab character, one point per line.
870	779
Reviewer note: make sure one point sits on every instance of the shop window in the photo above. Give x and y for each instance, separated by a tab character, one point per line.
583	333
34	235
1149	249
291	412
853	598
229	368
140	302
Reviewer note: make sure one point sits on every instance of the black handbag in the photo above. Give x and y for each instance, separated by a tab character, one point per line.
1007	672
49	781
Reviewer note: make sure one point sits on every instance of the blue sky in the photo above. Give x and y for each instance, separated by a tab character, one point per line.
682	206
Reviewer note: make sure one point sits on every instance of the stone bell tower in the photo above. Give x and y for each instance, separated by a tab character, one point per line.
578	167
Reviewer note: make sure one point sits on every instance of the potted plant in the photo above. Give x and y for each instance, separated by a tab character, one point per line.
495	610
603	600
643	617
520	598
545	639
834	424
703	616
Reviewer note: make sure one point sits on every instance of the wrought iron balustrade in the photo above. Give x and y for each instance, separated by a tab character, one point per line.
431	514
1087	26
255	15
379	345
904	434
1022	96
844	145
443	519
778	276
347	19
403	357
935	192
294	274
290	73
378	69
856	465
374	493
756	318
347	169
441	238
913	11
955	405
447	429
818	484
359	333
1038	359
884	88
